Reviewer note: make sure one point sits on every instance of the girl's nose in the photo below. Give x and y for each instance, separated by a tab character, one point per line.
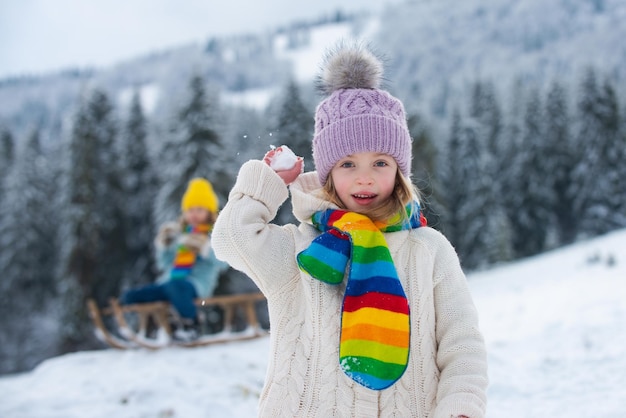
364	177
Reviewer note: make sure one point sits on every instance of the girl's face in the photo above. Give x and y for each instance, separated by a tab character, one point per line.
196	215
364	181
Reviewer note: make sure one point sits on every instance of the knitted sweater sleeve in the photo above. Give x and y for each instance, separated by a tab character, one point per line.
243	235
461	354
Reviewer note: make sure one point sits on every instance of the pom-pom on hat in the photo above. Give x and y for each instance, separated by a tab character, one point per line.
357	116
199	193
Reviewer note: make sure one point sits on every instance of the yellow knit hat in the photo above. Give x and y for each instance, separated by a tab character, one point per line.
200	194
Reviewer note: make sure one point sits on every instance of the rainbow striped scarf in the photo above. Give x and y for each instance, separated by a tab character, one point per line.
375	325
185	259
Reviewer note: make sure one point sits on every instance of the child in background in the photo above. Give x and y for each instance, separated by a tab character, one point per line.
370	312
185	258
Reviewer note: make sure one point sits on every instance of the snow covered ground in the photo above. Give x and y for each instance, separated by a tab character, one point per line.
555	327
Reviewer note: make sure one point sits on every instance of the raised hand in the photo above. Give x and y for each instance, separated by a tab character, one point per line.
286	164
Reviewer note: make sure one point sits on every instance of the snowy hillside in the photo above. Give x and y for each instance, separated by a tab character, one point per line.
434	50
554	326
437	49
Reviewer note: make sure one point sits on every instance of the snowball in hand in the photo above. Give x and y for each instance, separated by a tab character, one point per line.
283	159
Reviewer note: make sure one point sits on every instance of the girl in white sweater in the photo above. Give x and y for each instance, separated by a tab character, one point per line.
370	313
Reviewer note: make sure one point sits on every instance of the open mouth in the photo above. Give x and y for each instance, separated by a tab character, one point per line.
364	197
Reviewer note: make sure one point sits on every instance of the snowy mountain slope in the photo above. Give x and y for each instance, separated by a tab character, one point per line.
434	50
437	49
554	327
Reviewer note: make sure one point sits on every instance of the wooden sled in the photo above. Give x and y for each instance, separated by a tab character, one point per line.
150	325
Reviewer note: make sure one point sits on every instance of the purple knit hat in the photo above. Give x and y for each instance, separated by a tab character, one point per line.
357	116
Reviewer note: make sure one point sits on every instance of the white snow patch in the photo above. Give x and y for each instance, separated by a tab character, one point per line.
254	98
306	60
148	97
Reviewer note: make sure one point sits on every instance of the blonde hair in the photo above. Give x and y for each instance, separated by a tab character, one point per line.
403	193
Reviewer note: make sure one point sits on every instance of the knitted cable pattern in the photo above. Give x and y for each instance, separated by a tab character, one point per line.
375	324
446	375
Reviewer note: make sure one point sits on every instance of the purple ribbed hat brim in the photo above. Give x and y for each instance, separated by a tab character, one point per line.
361	133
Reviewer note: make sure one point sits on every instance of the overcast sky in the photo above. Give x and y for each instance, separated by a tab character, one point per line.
38	36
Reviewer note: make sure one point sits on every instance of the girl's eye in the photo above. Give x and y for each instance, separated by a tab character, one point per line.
380	163
347	164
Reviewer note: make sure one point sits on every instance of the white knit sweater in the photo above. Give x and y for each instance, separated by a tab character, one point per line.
447	371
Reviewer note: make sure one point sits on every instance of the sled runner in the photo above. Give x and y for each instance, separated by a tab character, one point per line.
152	325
